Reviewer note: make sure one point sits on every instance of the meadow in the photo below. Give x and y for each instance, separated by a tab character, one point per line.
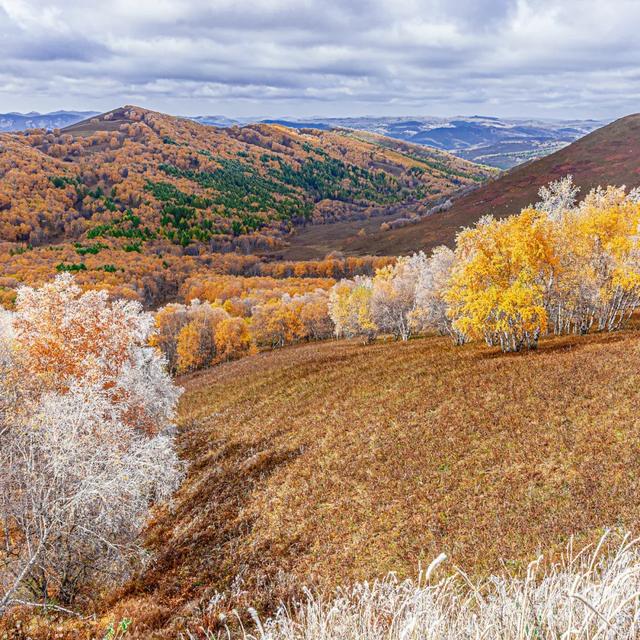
329	463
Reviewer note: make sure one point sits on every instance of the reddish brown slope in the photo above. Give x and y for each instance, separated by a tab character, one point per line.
610	155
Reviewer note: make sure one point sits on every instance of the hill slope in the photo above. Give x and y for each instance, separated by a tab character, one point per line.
497	142
609	155
192	184
335	461
133	181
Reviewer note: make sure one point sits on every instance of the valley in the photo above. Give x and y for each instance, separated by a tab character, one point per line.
136	200
610	155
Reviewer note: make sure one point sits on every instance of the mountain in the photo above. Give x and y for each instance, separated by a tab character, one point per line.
121	195
220	121
609	155
35	120
133	190
497	142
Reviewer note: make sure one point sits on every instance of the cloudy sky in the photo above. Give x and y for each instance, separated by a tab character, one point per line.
567	58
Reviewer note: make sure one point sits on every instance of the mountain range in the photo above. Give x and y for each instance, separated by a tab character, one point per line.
34	120
497	142
144	182
608	156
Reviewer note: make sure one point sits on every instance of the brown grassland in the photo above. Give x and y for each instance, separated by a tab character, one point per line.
332	462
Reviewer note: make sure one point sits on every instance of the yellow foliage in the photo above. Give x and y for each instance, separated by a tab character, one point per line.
276	323
496	291
233	339
350	308
191	350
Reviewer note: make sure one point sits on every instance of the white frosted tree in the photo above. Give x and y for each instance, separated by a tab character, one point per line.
558	197
634	195
393	299
432	310
86	442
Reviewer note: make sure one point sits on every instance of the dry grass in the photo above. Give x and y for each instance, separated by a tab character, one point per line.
332	463
588	595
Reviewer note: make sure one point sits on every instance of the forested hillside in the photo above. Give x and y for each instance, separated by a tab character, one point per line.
128	196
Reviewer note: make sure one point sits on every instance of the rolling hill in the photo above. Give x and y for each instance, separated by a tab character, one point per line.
609	155
103	195
498	142
326	463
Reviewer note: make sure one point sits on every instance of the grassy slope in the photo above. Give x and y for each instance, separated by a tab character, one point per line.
609	155
337	461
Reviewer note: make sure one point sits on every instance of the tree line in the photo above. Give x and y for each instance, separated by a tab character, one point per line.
558	267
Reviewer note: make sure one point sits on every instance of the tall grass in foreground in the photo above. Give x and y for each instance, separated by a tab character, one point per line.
593	593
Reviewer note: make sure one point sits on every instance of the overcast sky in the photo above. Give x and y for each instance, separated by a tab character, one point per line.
554	58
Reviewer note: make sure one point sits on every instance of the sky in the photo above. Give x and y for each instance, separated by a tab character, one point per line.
299	58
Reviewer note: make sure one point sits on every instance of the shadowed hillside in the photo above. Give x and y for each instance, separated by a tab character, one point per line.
335	461
610	155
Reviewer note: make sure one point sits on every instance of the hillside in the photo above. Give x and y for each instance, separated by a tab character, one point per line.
134	187
497	142
610	155
331	462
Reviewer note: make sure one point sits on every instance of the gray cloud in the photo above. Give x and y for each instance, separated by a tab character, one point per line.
574	58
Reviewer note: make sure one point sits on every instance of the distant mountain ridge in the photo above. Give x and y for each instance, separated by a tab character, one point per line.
497	142
33	120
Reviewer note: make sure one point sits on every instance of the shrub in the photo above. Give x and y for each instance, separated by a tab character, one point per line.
86	444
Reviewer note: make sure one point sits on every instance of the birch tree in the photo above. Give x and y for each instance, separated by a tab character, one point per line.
432	310
86	443
350	308
393	299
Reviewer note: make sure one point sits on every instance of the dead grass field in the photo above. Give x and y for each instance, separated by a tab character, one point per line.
333	462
